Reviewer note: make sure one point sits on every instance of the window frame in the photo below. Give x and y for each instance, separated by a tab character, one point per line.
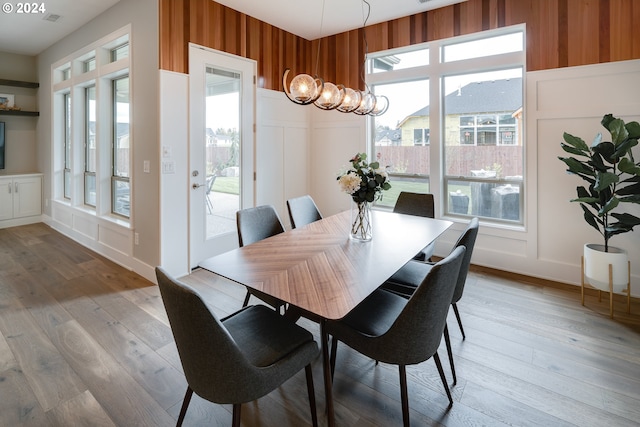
436	71
70	75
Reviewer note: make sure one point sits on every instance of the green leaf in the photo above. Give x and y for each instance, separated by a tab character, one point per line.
374	165
627	166
606	150
575	142
634	130
627	219
386	186
577	167
604	180
591	219
611	204
572	150
608	118
624	148
618	131
631	199
586	200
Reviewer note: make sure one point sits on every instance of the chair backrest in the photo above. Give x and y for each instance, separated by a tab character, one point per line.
418	204
208	353
468	240
257	223
302	211
416	333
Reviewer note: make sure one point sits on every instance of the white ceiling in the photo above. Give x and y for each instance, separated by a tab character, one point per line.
30	34
305	18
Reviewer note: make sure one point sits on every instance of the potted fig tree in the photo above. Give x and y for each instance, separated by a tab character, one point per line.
612	179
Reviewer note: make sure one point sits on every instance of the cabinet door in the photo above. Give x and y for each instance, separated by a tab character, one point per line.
6	198
27	196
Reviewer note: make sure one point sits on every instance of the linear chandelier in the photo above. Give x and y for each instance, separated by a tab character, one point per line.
305	90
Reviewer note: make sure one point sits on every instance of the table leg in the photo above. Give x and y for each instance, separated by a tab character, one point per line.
328	393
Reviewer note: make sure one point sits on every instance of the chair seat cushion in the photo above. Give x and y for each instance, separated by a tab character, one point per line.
404	281
375	315
264	336
412	273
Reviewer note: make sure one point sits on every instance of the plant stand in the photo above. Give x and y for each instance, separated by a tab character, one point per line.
628	290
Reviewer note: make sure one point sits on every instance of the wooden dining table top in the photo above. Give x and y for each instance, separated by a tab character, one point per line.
319	268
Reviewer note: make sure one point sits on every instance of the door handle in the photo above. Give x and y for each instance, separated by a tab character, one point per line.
196	185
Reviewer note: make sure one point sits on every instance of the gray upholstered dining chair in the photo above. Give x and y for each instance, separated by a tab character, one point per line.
255	224
391	329
302	211
239	358
405	281
418	204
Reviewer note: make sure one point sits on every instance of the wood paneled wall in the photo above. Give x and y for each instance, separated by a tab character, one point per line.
560	33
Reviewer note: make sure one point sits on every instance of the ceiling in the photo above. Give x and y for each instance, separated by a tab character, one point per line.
30	34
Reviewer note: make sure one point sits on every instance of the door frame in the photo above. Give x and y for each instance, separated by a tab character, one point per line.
201	57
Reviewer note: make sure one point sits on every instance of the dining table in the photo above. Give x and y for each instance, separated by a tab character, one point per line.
322	273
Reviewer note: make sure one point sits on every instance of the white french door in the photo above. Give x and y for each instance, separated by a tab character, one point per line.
221	148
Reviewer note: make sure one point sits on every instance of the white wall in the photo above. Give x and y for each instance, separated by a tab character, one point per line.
174	187
282	151
109	237
574	100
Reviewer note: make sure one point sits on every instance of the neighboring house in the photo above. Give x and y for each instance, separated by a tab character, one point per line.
479	113
388	137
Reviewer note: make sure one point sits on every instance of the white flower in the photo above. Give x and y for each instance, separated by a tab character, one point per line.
382	172
349	183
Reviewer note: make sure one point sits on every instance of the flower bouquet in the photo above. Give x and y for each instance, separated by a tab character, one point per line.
364	182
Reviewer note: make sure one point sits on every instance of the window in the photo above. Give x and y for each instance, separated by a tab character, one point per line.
67	145
120	179
90	147
420	136
66	73
120	52
402	137
474	135
89	65
91	128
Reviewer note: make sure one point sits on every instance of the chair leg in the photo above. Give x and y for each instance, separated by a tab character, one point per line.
332	357
455	310
404	395
436	359
447	341
236	415
246	299
185	405
312	395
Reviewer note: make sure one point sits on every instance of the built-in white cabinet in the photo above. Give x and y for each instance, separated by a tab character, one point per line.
20	199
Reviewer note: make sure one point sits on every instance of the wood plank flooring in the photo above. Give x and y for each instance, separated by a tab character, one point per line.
84	342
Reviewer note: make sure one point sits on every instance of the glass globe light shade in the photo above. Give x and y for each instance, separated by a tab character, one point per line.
382	104
330	97
303	87
350	102
367	104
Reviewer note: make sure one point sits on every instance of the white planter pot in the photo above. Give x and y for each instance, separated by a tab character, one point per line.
596	267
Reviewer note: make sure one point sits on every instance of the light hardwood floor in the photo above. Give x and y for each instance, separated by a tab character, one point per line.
84	342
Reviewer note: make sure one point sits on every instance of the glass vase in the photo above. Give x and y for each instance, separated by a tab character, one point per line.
361	225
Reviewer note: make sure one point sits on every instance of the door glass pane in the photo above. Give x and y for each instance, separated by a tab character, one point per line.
402	138
222	151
